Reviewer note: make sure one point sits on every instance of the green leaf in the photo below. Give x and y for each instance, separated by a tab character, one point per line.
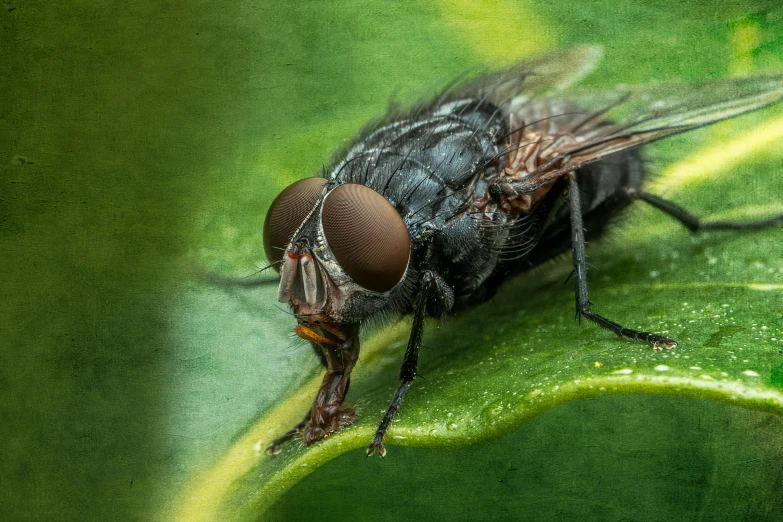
489	370
492	369
141	142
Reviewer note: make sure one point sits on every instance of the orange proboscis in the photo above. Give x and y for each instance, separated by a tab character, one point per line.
308	334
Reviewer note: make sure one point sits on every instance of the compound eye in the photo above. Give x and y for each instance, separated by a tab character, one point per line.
367	236
286	214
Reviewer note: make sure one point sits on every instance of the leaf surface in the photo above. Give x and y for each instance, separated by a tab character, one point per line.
487	371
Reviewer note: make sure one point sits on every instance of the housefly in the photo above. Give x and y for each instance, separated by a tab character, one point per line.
431	208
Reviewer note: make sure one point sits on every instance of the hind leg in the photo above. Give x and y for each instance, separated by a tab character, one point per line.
696	224
583	304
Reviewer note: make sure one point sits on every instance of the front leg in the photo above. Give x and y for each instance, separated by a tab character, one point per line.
580	268
410	362
326	415
277	445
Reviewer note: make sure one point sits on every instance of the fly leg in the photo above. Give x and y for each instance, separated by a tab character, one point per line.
326	415
694	223
409	363
580	268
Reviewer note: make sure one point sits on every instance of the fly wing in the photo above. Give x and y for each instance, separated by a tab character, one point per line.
530	77
471	109
583	128
554	71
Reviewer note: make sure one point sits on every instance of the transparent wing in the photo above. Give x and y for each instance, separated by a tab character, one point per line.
534	76
554	71
585	127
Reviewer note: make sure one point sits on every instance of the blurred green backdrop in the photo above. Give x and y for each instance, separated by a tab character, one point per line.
141	141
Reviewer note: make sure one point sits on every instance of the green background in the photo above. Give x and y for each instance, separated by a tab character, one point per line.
142	141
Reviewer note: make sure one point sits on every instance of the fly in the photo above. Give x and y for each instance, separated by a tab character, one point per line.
433	208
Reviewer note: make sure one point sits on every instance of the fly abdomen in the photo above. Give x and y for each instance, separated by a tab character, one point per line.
603	192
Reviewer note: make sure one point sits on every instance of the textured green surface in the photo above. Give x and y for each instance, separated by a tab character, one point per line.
617	458
141	141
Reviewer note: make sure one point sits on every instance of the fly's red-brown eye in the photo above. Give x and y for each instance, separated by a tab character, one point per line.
367	236
286	214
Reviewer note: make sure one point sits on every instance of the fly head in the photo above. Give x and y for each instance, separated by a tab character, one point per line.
342	251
